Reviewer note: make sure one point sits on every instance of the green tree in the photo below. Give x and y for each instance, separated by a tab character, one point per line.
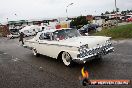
107	12
79	22
117	9
113	12
128	11
102	14
122	12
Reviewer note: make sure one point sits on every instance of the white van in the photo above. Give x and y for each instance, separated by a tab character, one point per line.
30	30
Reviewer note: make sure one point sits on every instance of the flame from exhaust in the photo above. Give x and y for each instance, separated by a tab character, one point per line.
85	73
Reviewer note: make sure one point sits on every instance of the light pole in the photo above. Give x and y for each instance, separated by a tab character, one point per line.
7	20
116	13
67	8
16	16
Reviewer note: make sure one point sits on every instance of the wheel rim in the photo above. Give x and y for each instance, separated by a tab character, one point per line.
66	58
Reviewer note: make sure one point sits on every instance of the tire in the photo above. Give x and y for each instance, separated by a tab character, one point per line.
35	53
66	58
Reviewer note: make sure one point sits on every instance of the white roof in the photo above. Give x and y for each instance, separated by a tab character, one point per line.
50	30
53	30
28	27
65	28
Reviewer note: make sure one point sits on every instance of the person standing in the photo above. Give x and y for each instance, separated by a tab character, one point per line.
21	37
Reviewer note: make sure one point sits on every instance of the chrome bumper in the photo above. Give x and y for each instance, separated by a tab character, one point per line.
93	55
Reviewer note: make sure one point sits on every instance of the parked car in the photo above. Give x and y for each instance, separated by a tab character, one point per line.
67	44
129	19
30	30
87	28
13	35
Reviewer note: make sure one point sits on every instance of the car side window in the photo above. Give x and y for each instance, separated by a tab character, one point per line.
59	34
45	36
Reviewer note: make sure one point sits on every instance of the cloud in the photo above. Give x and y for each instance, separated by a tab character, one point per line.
34	9
124	4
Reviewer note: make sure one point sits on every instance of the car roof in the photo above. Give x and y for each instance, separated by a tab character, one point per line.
64	28
53	30
29	27
49	30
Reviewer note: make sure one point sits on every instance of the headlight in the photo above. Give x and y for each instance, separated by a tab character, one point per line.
84	46
80	50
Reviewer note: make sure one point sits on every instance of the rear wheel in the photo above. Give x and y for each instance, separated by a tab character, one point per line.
66	58
35	53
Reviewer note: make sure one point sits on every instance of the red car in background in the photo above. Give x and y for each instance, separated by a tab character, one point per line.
129	19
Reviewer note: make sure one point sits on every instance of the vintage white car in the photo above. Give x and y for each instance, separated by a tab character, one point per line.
67	44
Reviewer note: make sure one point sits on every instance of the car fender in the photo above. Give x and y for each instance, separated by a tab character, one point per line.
73	54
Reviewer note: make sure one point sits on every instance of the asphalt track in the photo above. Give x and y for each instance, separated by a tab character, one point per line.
20	69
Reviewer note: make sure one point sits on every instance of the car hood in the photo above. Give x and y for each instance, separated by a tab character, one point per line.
92	41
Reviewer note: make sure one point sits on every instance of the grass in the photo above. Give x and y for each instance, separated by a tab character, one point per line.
120	32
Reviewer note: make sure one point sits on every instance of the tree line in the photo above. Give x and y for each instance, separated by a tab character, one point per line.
124	12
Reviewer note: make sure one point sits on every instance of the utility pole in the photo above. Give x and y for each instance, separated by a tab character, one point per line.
7	20
116	12
67	9
16	17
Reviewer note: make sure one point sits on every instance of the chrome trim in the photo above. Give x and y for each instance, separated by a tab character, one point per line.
89	57
99	50
53	44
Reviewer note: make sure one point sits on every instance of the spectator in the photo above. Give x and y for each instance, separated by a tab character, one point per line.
21	37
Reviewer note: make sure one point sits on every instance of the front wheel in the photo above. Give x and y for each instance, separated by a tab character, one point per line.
66	58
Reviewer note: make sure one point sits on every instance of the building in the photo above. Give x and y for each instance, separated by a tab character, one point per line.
4	30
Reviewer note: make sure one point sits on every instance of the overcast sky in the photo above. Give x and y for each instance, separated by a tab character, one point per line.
37	9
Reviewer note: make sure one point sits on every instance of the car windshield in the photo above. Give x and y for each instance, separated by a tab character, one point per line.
66	33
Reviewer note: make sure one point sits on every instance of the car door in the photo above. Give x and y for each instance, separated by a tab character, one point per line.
46	46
